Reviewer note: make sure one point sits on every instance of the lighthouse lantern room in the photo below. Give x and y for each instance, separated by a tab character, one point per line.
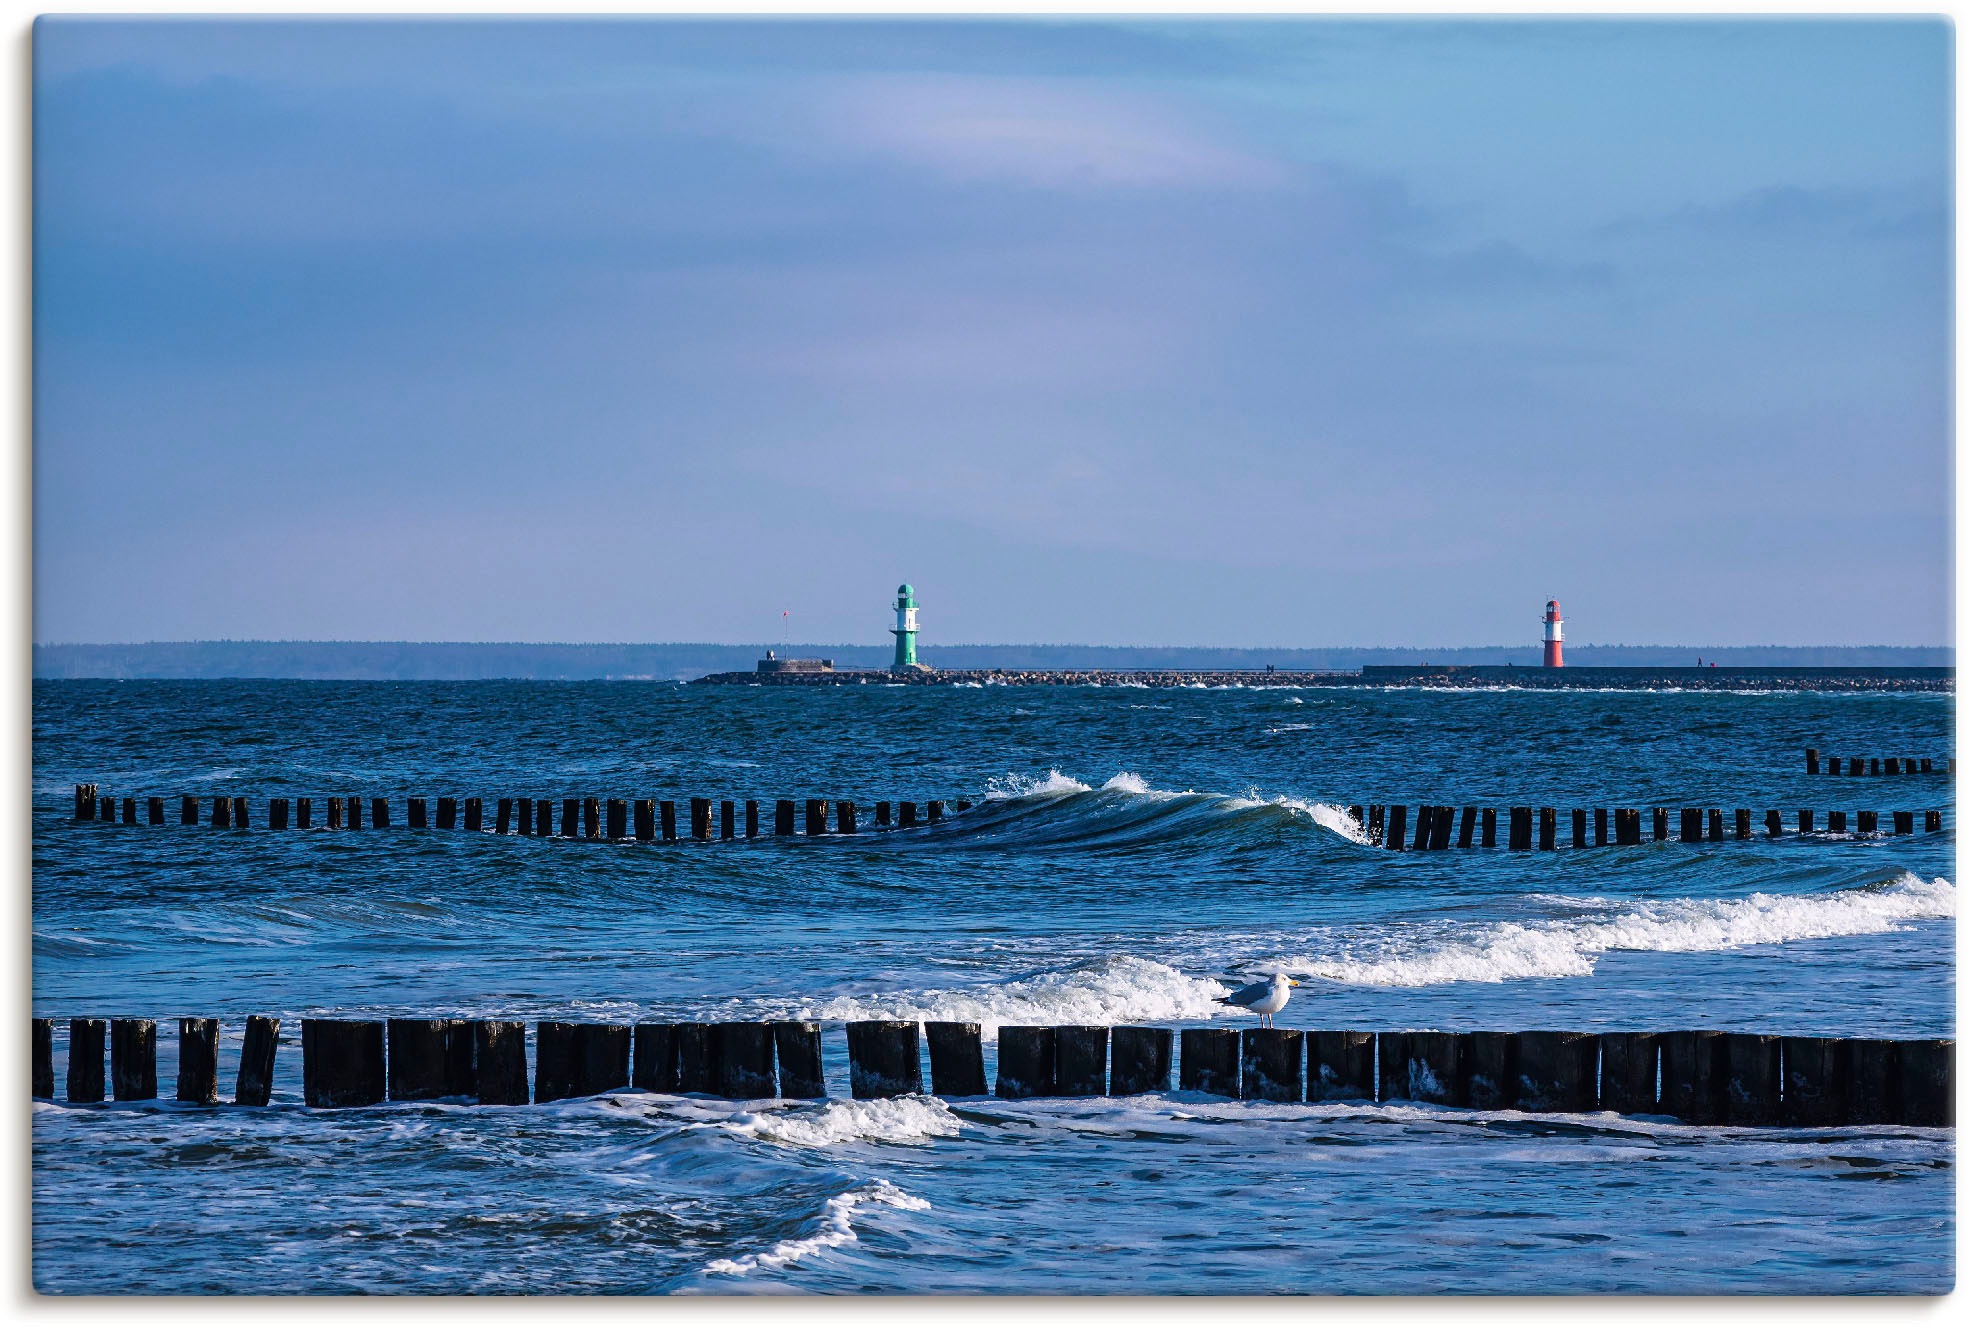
1554	635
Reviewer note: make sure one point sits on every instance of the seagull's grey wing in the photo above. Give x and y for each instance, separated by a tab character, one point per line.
1249	995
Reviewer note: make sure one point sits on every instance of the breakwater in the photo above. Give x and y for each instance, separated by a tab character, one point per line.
1876	766
1698	1076
1456	677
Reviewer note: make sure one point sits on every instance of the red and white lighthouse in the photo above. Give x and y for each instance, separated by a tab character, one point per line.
1554	635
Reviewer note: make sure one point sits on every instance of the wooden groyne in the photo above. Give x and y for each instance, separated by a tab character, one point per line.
1455	677
610	819
1875	766
1698	1076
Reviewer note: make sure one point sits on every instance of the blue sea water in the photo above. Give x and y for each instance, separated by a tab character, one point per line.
1134	851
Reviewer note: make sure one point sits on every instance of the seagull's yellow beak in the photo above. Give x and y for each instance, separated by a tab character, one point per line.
1290	982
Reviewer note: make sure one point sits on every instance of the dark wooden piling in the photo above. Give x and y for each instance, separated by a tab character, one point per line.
187	810
742	1061
1892	764
1933	822
1873	1090
1520	828
447	813
1810	760
242	817
351	813
1691	825
1626	826
85	1059
1489	827
1805	821
782	818
1599	827
963	804
43	1084
1715	834
1487	1066
524	817
653	1062
727	820
1579	839
498	1062
1547	828
1628	1065
222	813
1660	824
379	812
1903	822
1694	1065
1376	825
645	819
694	1069
419	813
618	818
133	1059
1272	1065
1875	765
276	812
503	819
1430	1068
1557	1071
1339	1066
816	817
1837	822
553	1060
254	1086
1927	1083
591	817
431	1058
129	810
1835	765
1079	1061
1868	822
797	1046
1142	1059
906	814
198	1060
1466	834
751	819
579	1059
883	818
844	818
934	810
1816	1081
1926	765
666	813
1773	824
884	1058
1209	1061
1396	837
1424	827
700	818
543	817
85	801
1752	1086
570	817
475	815
1444	824
1028	1064
956	1059
342	1062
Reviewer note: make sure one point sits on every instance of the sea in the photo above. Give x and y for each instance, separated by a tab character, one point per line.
1132	855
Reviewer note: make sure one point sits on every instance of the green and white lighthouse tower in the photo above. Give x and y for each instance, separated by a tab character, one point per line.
904	629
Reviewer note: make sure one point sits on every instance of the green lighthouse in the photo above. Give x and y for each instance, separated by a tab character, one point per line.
904	629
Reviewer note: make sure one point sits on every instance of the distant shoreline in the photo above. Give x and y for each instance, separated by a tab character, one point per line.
1483	678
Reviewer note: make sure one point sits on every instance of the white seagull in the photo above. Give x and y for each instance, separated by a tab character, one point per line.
1263	998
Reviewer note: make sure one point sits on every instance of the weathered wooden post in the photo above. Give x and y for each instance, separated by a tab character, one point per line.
1424	826
1903	822
1489	827
591	817
1873	1091
1875	765
1392	1056
1660	824
447	813
693	1057
543	817
1579	839
579	1059
618	818
666	812
351	812
782	818
1691	825
742	1056
553	1060
1927	1083
1868	822
1693	1067
801	1076
570	817
198	1060
907	812
645	819
1028	1063
498	1062
816	817
1444	823
502	820
1627	1065
1752	1088
379	812
1487	1064
431	1058
1209	1061
1715	834
241	817
1933	822
1773	824
1599	827
727	820
524	817
1557	1071
1079	1061
1272	1064
934	810
187	810
1926	765
884	1058
1547	828
1626	825
1376	825
653	1066
85	1059
1396	838
1339	1066
222	813
700	818
751	819
1816	1080
1837	825
43	1086
1805	821
1810	760
475	815
1520	828
255	1082
85	801
956	1059
1142	1058
1892	764
419	813
844	818
130	810
883	816
276	812
1434	1070
1466	835
1835	765
133	1058
341	1062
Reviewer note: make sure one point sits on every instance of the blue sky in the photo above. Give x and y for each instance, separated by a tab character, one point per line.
1261	333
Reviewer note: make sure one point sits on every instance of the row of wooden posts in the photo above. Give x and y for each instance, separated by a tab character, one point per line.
1857	765
1702	1077
580	817
1436	827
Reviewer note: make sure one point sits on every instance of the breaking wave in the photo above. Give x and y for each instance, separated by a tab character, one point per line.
1126	811
891	1120
836	1227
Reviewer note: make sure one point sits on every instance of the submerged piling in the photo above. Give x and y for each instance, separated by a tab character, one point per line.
956	1059
1210	1060
884	1058
499	1062
1079	1061
342	1062
1272	1065
1339	1066
797	1046
430	1058
742	1059
85	1059
198	1060
1027	1062
1142	1059
254	1085
133	1059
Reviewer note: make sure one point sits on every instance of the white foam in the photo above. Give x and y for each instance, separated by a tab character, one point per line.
836	1228
1054	784
893	1120
1119	989
1510	951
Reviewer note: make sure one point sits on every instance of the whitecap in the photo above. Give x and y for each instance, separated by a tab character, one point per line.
836	1227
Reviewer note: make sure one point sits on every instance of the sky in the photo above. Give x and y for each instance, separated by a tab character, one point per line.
1270	333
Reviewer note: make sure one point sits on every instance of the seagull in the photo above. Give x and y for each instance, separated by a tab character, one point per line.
1263	998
